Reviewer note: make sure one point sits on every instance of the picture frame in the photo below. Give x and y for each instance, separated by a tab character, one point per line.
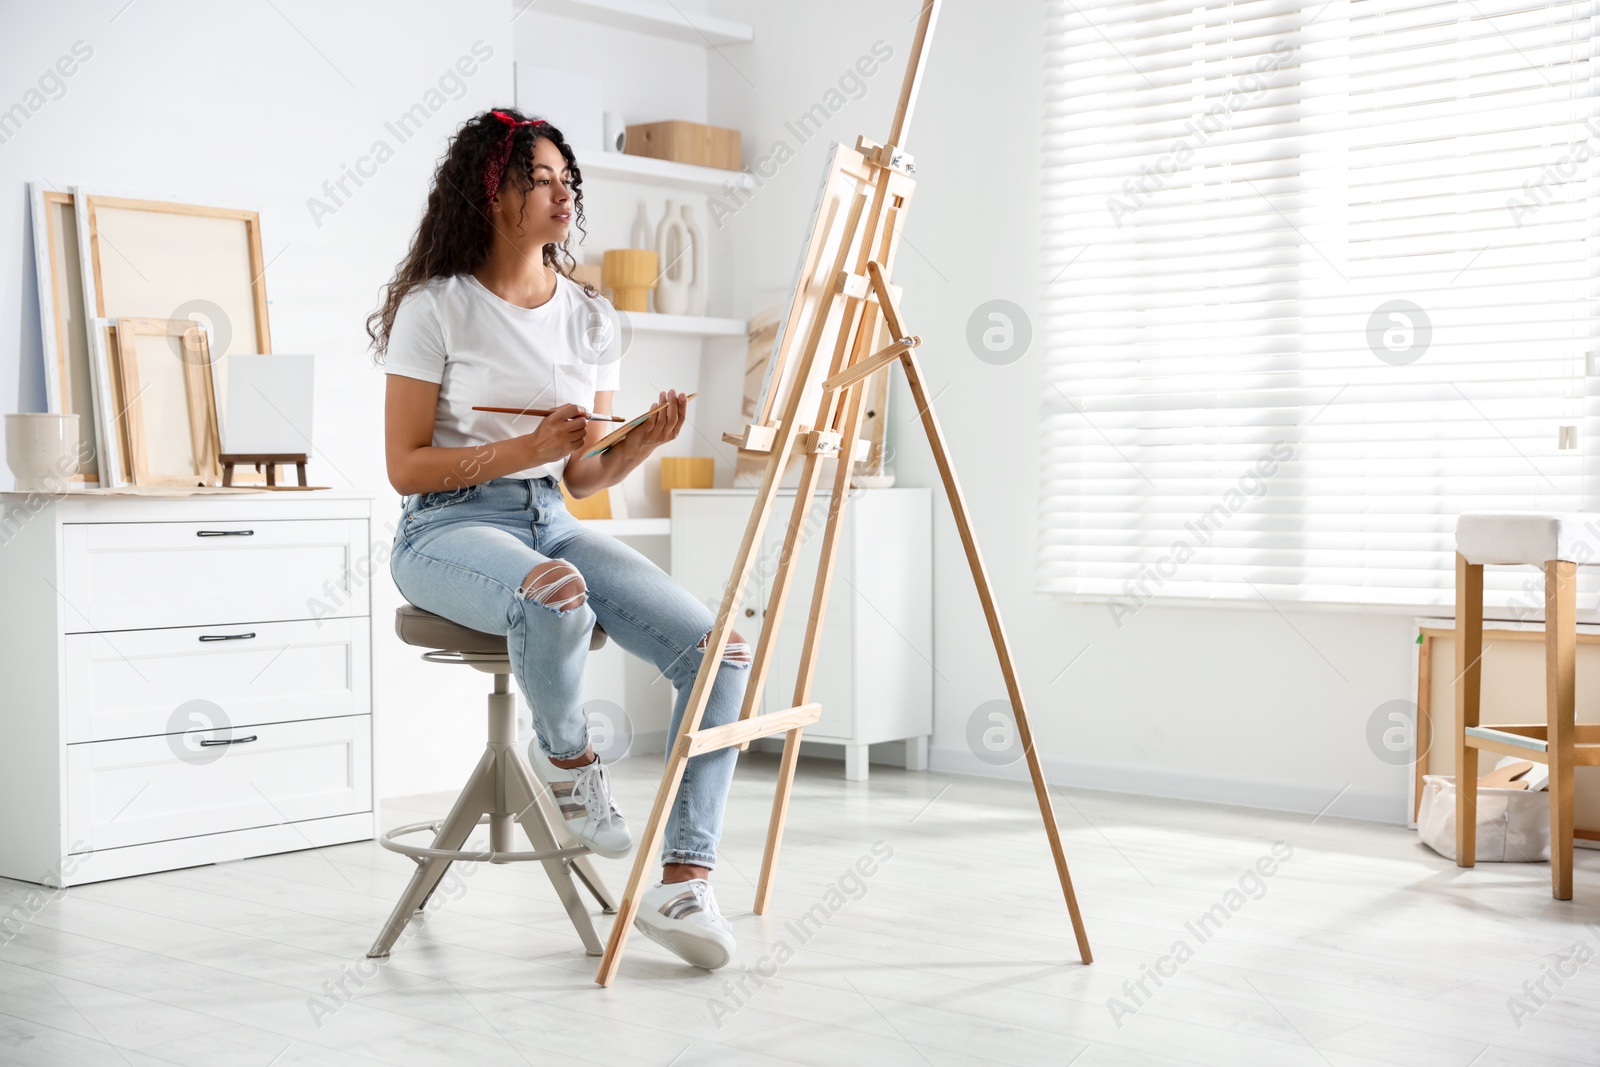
142	257
171	414
63	331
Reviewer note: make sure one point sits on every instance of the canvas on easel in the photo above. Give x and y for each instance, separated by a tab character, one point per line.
813	404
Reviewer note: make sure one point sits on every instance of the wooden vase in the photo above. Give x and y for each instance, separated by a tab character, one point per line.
630	274
686	472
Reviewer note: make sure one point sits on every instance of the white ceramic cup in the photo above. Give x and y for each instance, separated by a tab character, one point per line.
42	449
616	131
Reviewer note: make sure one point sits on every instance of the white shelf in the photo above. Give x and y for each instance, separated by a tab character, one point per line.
696	325
656	19
630	527
708	180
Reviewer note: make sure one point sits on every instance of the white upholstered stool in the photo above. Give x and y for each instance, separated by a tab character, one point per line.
502	792
1554	543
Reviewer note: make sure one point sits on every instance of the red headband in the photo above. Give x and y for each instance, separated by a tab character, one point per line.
495	168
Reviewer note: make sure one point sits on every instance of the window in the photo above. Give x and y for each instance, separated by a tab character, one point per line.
1318	278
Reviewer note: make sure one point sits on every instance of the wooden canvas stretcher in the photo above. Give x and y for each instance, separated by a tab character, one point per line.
822	362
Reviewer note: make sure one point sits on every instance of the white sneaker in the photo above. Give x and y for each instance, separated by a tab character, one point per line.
584	796
683	917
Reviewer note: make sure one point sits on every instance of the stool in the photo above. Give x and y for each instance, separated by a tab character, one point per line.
501	792
1554	543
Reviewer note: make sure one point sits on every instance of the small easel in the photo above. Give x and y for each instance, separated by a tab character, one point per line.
842	289
270	460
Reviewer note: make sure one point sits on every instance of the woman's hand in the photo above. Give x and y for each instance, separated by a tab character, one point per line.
558	435
659	428
585	476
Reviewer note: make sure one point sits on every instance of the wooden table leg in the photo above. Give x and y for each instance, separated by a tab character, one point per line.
1560	649
1469	689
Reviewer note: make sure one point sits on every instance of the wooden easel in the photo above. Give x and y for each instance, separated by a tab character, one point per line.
842	290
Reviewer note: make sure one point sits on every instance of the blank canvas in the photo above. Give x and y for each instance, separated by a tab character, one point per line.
841	198
268	408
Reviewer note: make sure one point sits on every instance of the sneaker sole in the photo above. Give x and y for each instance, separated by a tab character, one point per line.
697	951
609	854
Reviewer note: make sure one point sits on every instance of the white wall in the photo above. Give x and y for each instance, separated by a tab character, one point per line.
1239	705
1243	705
237	105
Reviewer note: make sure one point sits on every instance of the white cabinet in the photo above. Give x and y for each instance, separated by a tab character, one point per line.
142	789
182	680
874	675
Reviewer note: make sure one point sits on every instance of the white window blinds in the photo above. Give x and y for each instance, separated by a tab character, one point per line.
1318	278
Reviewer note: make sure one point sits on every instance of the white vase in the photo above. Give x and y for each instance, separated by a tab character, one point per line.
672	245
42	450
642	233
616	131
696	304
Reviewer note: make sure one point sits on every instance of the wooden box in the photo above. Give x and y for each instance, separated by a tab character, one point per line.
687	472
686	142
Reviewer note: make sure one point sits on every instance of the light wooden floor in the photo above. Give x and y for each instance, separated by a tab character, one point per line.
1362	949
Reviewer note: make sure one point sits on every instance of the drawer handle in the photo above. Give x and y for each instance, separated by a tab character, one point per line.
207	742
224	533
748	612
226	637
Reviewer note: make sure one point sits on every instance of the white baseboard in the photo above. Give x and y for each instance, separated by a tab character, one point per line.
1365	804
1368	805
648	743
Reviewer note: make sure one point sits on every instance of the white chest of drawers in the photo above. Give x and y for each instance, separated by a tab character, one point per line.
182	680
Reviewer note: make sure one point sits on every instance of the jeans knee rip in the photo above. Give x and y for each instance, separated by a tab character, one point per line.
552	588
734	653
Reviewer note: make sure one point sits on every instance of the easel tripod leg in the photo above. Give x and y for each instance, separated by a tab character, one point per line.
772	616
780	814
838	499
648	846
958	507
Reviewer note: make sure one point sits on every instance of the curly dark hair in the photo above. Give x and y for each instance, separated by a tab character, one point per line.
457	228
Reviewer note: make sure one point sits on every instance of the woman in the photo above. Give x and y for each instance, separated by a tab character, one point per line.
481	312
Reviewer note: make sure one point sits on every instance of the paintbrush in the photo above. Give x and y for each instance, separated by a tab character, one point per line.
546	411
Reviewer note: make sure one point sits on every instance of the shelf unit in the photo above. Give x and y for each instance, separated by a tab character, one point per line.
665	172
656	19
631	527
694	325
619	179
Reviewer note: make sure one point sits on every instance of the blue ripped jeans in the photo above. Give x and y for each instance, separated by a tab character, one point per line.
465	554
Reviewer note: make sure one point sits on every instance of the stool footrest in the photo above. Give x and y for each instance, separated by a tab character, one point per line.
1536	747
743	730
389	842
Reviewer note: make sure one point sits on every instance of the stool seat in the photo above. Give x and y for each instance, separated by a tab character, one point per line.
416	626
1536	538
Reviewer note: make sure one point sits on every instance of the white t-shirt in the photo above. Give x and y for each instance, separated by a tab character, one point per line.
481	349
